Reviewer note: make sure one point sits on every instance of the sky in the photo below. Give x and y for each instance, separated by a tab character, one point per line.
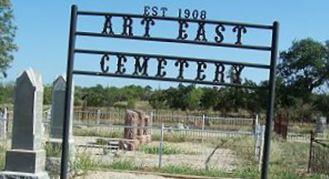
42	34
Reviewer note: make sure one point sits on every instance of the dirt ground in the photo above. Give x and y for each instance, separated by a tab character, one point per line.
119	175
197	154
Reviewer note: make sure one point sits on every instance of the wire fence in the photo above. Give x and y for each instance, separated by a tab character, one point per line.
194	141
319	155
203	121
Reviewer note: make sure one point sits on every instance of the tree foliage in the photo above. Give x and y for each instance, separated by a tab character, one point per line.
7	35
304	66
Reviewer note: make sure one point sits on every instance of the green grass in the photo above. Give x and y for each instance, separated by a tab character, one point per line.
2	156
186	170
288	160
53	150
85	162
98	133
174	137
166	150
123	165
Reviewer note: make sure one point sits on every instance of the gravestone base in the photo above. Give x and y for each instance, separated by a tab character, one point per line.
21	175
25	164
29	161
56	144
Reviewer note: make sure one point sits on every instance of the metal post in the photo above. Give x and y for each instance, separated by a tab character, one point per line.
203	123
271	98
67	105
310	152
161	145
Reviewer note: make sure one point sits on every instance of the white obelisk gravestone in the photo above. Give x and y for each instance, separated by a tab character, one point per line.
26	159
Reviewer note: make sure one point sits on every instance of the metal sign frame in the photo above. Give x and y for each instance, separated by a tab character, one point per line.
181	62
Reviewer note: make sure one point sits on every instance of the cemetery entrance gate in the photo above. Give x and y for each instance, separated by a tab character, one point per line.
141	62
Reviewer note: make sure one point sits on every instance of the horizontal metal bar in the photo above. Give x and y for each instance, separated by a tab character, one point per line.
252	65
257	26
91	73
160	39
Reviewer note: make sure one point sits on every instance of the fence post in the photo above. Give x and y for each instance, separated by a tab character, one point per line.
161	145
203	123
98	116
310	153
257	136
151	122
262	135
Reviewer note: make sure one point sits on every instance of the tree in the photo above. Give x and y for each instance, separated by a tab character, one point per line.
209	98
304	67
158	100
7	34
193	99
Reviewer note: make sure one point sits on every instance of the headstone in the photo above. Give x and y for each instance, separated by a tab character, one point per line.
3	124
135	132
131	123
142	118
26	159
321	124
141	123
57	116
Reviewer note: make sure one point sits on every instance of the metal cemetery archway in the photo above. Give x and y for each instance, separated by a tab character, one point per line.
141	60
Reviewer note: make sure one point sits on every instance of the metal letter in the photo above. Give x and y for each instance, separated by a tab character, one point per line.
201	33
182	35
141	68
164	10
220	37
239	29
236	73
120	64
127	26
146	10
104	67
219	73
181	64
161	63
147	21
107	27
201	67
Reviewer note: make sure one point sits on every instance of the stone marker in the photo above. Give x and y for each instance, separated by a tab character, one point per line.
57	116
131	121
3	124
26	159
135	132
321	123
